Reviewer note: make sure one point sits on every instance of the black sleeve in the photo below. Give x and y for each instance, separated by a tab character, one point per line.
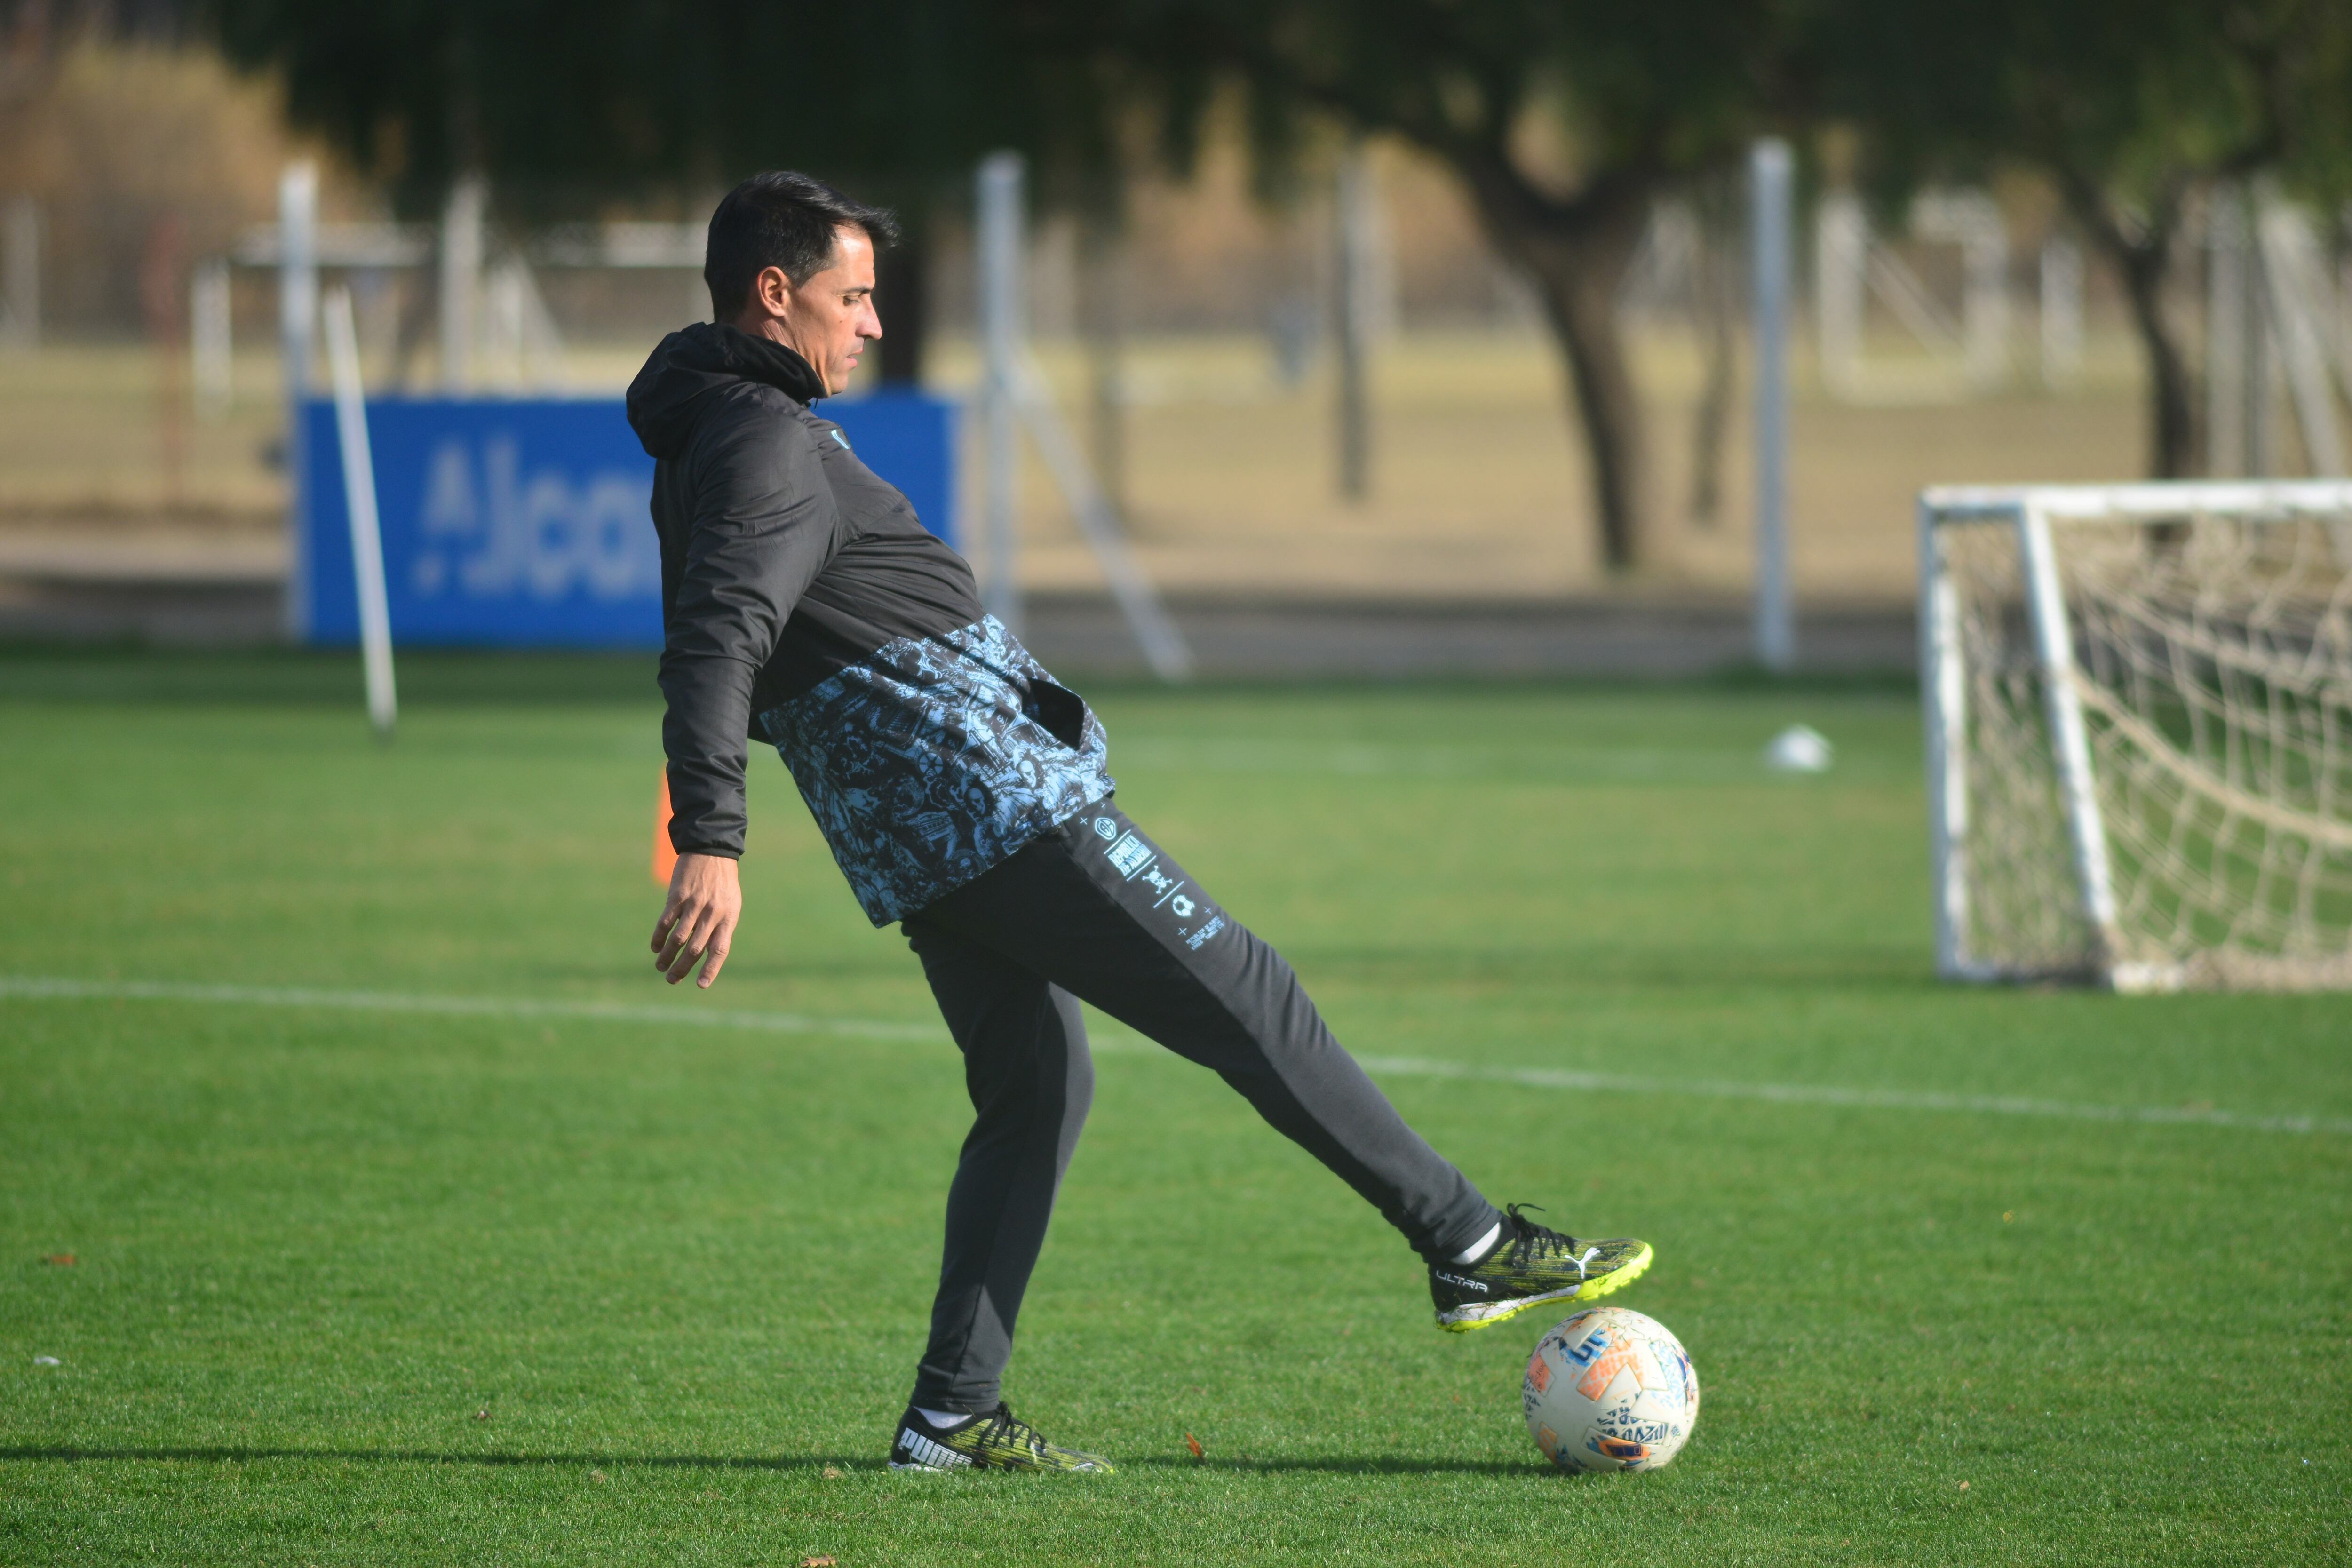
764	525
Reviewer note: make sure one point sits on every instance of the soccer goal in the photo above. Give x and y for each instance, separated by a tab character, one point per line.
2138	704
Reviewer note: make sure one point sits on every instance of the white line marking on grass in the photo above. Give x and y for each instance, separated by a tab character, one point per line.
35	987
472	1006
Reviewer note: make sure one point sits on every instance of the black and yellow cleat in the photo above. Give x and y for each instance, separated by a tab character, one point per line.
1528	1266
995	1441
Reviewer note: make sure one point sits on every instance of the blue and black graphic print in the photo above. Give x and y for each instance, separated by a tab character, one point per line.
929	762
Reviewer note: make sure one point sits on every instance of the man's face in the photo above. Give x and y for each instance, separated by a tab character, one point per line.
827	318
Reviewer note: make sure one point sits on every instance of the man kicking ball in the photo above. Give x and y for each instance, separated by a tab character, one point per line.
967	797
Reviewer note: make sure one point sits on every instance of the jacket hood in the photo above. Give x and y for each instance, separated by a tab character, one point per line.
686	367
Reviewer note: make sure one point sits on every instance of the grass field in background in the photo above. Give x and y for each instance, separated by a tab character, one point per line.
358	1285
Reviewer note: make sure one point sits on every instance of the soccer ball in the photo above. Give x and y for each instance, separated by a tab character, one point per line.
1610	1390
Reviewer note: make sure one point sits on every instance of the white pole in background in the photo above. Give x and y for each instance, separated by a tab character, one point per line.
2254	343
2061	313
1770	201
1984	310
210	342
2287	254
1356	240
461	279
1001	328
1841	273
298	313
358	506
2225	328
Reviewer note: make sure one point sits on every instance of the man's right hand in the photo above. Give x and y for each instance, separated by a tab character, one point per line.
699	918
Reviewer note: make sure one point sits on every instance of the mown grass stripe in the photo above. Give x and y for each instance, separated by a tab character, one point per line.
1861	1099
33	987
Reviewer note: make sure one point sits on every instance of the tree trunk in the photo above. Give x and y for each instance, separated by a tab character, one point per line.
901	299
2171	407
1576	255
2145	263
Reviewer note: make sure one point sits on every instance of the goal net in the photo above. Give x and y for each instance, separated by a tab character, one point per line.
2138	705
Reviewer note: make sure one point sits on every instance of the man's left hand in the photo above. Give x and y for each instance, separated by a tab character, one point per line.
699	918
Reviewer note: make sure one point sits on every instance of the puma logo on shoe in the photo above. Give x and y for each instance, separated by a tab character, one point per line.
923	1451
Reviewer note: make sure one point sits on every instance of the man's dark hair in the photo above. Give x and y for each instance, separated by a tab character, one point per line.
782	219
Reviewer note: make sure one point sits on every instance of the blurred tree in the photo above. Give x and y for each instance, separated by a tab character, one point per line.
2131	108
567	106
1564	120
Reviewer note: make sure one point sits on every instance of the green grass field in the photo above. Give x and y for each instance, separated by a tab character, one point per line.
366	1283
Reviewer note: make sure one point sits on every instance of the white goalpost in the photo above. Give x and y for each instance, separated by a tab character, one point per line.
2138	717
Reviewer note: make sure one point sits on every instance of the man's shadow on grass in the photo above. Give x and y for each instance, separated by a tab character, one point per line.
1328	1465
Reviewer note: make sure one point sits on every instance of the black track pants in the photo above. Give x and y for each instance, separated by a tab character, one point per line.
1094	910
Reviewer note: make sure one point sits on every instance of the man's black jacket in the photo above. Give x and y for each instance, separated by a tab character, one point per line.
784	559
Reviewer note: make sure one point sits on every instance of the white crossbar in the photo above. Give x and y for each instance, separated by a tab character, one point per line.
1950	503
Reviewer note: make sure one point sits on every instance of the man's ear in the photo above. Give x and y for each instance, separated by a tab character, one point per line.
773	290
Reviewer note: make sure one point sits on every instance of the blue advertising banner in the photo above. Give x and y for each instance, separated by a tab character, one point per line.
524	523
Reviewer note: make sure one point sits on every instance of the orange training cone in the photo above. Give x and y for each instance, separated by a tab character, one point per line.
664	857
